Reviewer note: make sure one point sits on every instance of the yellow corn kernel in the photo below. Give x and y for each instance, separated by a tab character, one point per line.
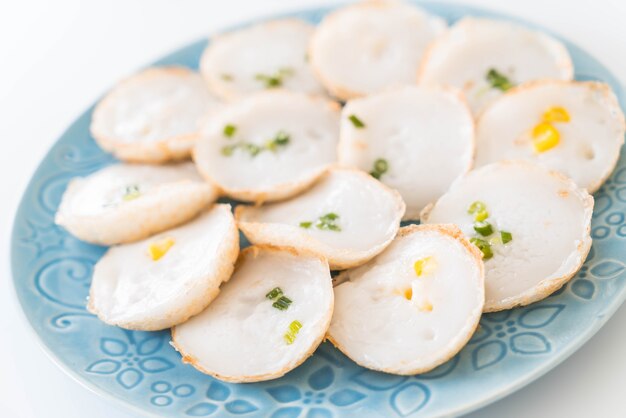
425	306
556	114
131	193
408	293
545	137
159	248
424	266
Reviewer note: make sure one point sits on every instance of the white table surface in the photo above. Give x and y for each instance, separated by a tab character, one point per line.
57	57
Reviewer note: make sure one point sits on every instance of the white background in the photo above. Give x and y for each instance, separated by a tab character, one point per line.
57	57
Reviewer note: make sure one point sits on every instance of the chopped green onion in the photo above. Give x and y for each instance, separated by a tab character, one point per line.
280	140
228	150
481	215
506	236
356	121
282	303
295	326
498	80
495	240
483	228
330	217
276	79
131	193
274	293
285	71
270	81
476	206
227	77
229	130
292	332
380	167
483	246
253	149
327	222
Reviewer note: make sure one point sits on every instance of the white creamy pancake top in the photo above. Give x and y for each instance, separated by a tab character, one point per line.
369	46
416	140
347	217
162	281
154	115
269	146
269	318
267	55
485	57
412	307
576	128
531	224
127	202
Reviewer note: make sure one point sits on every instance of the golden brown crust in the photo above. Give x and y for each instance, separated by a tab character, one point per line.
279	192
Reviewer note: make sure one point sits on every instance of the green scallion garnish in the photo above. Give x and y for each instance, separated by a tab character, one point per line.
292	332
380	167
358	123
228	150
274	293
131	193
476	206
326	222
282	303
276	79
498	80
483	246
229	130
253	149
483	228
506	236
270	81
280	140
481	215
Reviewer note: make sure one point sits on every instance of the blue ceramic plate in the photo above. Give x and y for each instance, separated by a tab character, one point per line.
52	272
